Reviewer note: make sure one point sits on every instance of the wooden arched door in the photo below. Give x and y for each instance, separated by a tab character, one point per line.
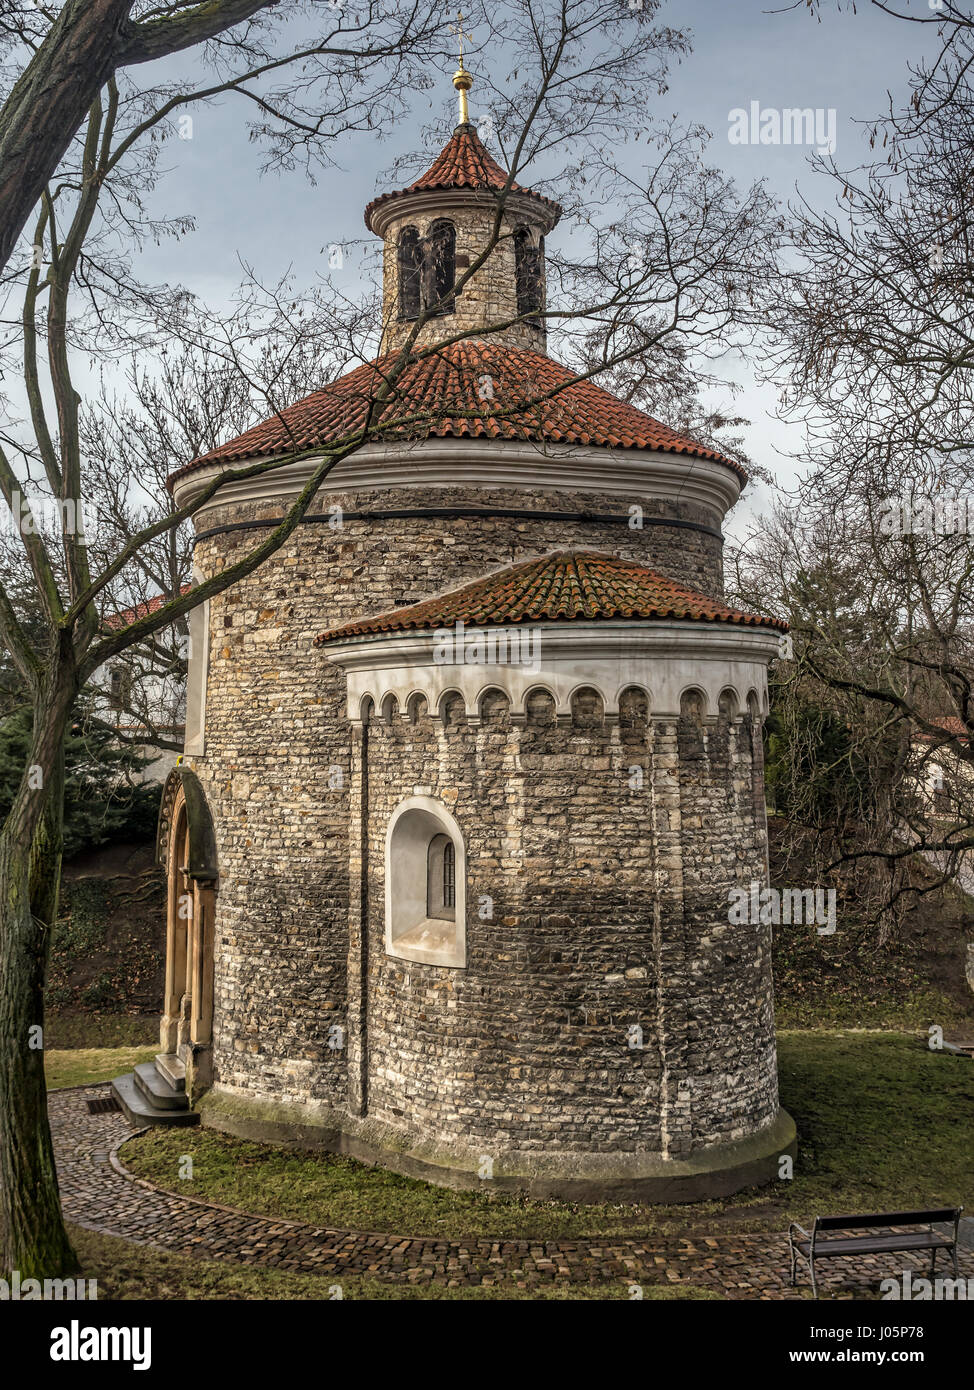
186	1030
178	913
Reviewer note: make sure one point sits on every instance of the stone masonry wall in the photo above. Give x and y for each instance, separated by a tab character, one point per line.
529	1047
452	550
277	757
727	1064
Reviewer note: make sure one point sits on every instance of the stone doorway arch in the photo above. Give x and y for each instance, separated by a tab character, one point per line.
186	849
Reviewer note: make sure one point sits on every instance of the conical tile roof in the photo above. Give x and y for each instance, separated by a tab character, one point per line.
475	389
566	586
463	162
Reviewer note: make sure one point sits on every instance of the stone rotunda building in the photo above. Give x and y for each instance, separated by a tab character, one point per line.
472	764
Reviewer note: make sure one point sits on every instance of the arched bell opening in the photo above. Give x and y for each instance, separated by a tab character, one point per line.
439	269
529	275
409	255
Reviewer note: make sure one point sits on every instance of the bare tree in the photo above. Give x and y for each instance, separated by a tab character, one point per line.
858	725
872	324
289	58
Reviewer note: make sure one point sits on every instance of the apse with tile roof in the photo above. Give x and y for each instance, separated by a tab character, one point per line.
474	759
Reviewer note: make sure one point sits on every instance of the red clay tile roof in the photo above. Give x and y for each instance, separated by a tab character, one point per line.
432	395
463	162
141	610
567	586
950	725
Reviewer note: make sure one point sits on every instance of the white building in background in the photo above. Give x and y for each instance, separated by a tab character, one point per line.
142	695
946	781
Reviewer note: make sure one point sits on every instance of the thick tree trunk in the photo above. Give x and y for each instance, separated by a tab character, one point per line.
88	42
49	102
32	1235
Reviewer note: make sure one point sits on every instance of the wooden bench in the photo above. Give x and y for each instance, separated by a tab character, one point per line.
812	1247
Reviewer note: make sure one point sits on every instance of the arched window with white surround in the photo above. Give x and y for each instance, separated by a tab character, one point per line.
425	873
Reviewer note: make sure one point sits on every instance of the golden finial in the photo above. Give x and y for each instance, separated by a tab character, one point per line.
462	79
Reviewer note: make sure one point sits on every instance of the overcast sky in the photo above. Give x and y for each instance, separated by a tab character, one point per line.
743	51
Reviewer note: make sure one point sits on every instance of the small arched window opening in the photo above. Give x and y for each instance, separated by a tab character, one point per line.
121	688
588	708
440	267
425	885
495	708
417	708
441	879
633	708
453	711
692	706
540	707
528	271
449	877
410	256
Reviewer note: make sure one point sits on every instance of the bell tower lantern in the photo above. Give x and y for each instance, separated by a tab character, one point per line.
438	229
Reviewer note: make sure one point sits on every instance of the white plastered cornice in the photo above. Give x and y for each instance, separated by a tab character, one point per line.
664	659
518	207
628	475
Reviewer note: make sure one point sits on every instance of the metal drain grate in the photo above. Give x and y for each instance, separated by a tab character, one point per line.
104	1105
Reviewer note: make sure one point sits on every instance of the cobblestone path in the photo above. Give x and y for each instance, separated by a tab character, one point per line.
99	1194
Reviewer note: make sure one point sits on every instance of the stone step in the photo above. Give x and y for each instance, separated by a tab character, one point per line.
157	1089
171	1069
138	1110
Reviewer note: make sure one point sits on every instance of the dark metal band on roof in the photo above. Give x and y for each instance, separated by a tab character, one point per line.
428	513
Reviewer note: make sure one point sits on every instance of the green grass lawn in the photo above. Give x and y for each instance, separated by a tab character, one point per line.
82	1066
65	1028
883	1124
834	1010
126	1271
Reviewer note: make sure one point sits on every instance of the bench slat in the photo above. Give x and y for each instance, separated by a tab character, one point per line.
869	1245
890	1218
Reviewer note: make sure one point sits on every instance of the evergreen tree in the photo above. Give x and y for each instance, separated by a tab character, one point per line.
102	800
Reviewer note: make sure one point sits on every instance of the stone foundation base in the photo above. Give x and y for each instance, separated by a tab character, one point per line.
719	1171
